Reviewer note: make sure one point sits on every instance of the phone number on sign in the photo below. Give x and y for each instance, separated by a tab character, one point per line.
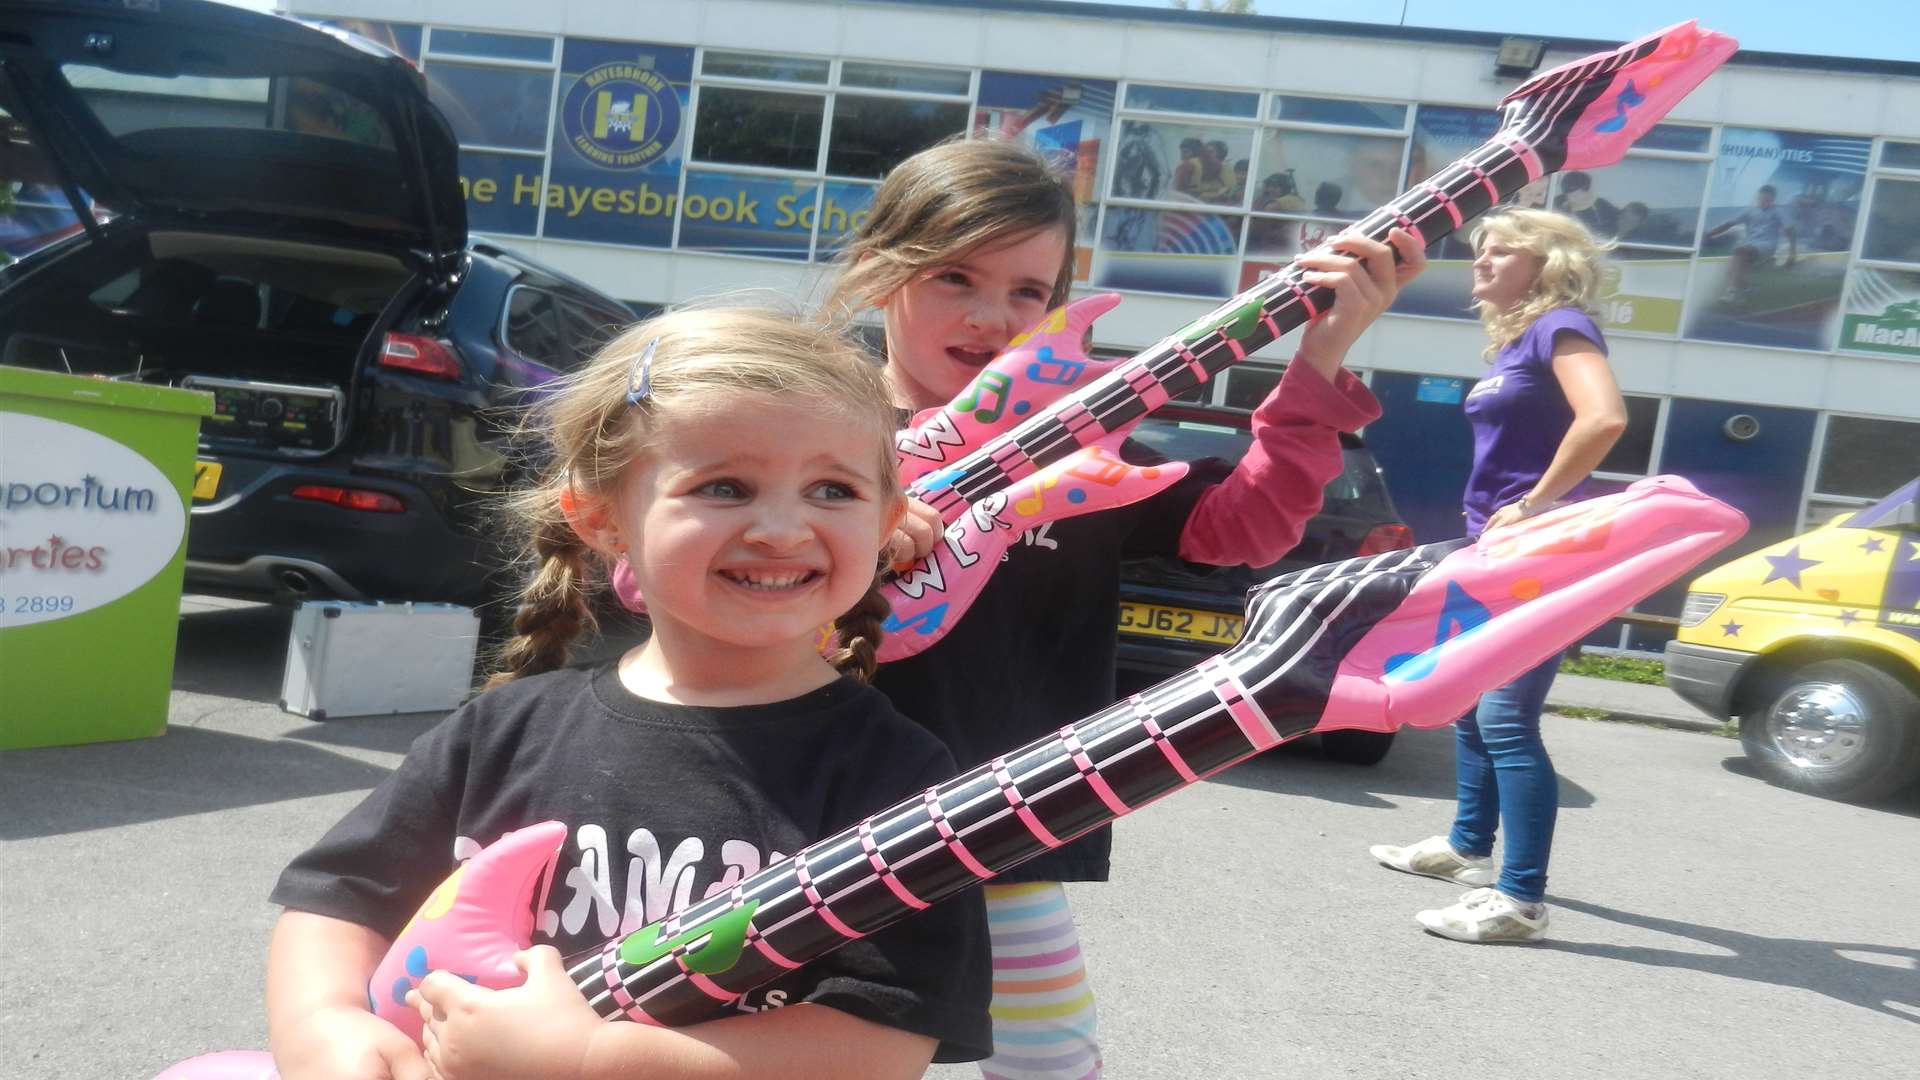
35	605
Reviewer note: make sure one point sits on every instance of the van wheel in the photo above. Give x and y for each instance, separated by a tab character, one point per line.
1356	747
1837	728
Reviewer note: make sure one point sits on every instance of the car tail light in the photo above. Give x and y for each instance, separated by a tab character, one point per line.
373	502
1395	537
420	355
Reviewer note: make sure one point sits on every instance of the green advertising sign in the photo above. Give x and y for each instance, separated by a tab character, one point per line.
1883	313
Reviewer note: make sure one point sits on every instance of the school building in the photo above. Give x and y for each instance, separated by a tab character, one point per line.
664	151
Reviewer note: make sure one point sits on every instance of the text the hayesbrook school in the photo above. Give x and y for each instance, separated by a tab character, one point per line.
641	200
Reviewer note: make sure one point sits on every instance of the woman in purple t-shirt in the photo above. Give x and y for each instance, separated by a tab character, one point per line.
1543	418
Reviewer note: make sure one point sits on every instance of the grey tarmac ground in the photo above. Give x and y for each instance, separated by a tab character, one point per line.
1704	923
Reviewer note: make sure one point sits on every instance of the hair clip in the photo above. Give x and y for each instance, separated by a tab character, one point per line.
640	377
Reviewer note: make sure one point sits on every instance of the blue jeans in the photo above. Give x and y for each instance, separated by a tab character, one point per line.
1506	776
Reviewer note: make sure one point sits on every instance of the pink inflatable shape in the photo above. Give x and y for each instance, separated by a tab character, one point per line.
1518	595
459	928
233	1065
1037	369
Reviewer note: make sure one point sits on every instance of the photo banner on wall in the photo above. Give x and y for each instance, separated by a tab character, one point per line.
1442	134
619	136
1067	119
1780	216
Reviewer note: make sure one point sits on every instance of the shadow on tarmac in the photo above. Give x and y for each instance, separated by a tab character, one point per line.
1876	977
60	790
235	652
1904	803
1420	766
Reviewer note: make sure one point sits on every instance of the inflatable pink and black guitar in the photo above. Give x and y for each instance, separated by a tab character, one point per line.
1406	637
1036	437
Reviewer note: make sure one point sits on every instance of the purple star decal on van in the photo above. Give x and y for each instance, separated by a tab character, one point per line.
1787	567
1872	544
1730	628
1848	618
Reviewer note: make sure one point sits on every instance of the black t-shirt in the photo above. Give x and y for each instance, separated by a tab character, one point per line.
665	805
1036	649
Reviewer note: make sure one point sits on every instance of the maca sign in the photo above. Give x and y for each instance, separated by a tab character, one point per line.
83	520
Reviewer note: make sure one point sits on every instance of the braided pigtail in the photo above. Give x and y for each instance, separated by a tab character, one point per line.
553	611
860	631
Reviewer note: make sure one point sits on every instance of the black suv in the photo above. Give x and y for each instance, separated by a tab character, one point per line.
272	213
1174	614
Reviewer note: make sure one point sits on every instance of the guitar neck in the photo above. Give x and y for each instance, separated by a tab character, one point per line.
1271	686
1430	210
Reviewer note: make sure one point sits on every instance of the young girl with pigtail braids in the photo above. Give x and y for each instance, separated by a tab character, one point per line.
742	464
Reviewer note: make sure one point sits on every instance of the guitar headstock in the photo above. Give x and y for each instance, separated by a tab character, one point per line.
1585	114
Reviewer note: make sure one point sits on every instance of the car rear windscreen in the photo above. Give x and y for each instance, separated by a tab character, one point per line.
1357	492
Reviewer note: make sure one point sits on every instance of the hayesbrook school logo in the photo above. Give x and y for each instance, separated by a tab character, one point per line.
83	520
621	116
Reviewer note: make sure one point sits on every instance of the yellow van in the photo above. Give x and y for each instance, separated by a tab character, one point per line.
1814	643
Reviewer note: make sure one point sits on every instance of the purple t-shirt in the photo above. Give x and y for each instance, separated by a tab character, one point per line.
1519	415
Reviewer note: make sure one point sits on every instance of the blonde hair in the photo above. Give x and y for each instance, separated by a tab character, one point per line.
1570	263
945	201
703	360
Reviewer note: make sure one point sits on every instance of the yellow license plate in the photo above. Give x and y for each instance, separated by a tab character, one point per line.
1183	624
206	479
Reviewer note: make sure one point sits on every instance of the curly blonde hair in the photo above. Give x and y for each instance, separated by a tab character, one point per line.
1570	264
589	433
945	201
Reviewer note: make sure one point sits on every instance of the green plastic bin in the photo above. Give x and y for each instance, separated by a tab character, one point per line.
96	478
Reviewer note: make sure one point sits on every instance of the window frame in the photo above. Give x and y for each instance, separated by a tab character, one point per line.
543	153
559	326
829	93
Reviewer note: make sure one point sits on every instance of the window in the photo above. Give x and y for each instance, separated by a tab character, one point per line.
1157	233
588	327
1900	155
1189	163
1186	100
1680	138
758	127
496	90
489	46
871	135
770	68
1780	217
756	184
909	79
34	211
1323	163
490	106
1865	458
1327	175
1649	204
1339	113
1249	384
532	327
1893	222
1882	310
1633	454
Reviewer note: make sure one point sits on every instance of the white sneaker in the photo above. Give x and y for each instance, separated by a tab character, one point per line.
1435	858
1487	915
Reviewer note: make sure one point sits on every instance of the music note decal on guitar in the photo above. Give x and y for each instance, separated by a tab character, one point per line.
1628	99
989	384
726	936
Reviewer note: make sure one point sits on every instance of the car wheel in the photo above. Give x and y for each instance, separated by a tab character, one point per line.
1356	747
1839	728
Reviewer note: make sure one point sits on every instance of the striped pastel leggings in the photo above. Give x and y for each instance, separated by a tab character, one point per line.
1043	1020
